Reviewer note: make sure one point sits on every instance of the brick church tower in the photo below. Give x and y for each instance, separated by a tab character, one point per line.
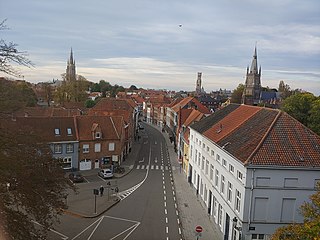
71	69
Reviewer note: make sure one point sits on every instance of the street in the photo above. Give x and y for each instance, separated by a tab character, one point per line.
148	206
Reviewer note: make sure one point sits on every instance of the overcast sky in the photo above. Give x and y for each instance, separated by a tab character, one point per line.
140	42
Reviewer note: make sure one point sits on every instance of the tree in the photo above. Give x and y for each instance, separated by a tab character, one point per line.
89	103
133	87
10	54
236	96
310	228
299	106
314	117
32	183
15	95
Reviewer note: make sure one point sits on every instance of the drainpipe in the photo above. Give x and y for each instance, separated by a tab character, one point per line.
251	196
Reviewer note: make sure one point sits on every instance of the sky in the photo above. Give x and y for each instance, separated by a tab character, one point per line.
163	44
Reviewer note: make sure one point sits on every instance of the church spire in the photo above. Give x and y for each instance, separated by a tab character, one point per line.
71	57
71	68
254	64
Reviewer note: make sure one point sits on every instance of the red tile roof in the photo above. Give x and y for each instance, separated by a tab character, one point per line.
262	136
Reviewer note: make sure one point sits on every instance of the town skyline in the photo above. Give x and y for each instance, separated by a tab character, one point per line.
164	45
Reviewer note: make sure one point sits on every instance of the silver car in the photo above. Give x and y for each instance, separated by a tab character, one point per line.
105	173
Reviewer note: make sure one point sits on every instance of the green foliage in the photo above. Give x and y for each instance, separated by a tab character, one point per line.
15	95
305	108
89	103
237	94
310	229
37	185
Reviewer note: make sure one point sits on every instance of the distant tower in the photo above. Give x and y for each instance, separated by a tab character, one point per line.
252	89
198	84
71	69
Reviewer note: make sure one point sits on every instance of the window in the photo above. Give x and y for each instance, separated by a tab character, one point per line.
211	172
231	168
222	184
291	182
69	131
191	137
238	201
69	148
239	175
85	148
257	236
199	159
212	153
57	131
205	195
207	167
195	159
220	215
98	134
224	162
202	163
229	195
217	178
57	148
97	147
218	157
203	145
196	140
199	143
111	146
208	149
66	163
215	206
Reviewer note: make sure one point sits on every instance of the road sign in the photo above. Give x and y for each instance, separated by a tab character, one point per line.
199	229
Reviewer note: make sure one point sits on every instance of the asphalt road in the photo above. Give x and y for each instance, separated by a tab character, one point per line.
147	211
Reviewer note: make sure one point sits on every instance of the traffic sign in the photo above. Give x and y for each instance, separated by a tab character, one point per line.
199	229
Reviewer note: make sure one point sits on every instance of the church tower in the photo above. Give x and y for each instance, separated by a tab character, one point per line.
252	89
71	69
198	84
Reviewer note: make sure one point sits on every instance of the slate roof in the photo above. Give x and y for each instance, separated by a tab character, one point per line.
262	136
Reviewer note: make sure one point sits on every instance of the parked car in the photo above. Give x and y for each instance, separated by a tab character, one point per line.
105	173
76	177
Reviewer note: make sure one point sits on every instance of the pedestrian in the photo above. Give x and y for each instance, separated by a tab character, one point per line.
101	190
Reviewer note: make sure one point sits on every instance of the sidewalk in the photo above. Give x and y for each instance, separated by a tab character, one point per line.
82	204
192	212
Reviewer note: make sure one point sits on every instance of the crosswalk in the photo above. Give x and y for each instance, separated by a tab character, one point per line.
152	167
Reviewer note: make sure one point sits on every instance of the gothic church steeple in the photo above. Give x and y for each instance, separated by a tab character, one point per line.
71	68
252	90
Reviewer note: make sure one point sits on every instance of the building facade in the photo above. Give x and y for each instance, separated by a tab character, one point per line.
250	171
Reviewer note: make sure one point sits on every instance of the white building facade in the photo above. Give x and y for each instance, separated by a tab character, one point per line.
249	199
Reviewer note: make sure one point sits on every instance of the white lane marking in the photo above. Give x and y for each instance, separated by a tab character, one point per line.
167	229
180	231
155	159
142	167
178	220
138	167
164	187
166	220
174	198
93	231
157	167
162	182
64	237
165	204
173	193
177	213
165	198
175	205
164	192
165	211
152	167
87	228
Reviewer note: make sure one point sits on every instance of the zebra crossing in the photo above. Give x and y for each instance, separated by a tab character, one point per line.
153	167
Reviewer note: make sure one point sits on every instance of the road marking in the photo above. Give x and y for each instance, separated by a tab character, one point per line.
54	231
166	220
177	213
175	205
180	231
165	198
152	167
141	160
178	220
167	229
173	193
87	228
138	167
164	192
174	198
163	181
93	231
142	167
155	159
165	211
166	167
157	167
165	204
164	187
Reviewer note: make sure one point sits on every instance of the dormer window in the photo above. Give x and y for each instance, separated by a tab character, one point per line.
98	134
69	131
57	131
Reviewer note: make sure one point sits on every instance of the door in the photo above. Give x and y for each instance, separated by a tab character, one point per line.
210	202
227	225
190	174
198	183
85	164
96	163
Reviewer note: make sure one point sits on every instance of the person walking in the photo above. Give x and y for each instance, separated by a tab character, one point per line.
101	190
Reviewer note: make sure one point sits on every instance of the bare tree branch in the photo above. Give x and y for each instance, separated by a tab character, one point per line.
9	54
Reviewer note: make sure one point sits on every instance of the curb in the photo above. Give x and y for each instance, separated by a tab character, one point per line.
79	215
